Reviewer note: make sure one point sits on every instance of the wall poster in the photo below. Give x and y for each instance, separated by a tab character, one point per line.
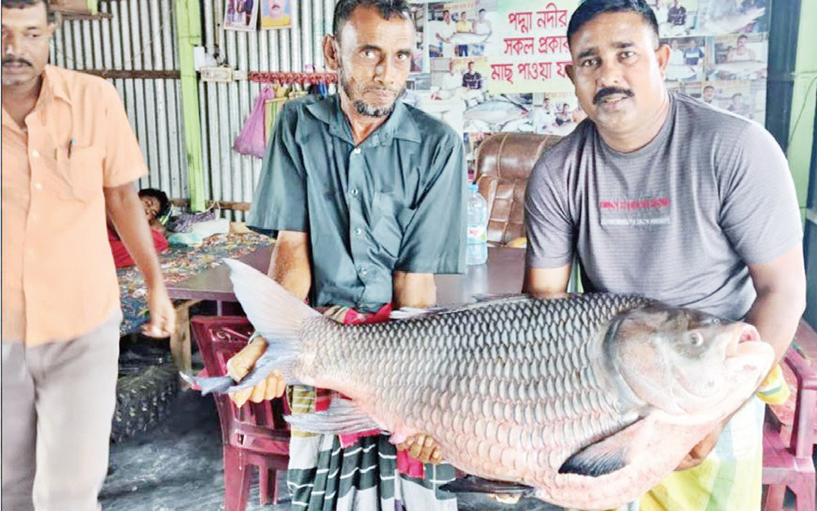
502	63
276	13
240	14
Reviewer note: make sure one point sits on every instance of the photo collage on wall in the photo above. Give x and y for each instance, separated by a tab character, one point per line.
494	66
718	51
245	14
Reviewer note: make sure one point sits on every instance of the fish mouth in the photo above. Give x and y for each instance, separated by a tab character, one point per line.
749	353
738	346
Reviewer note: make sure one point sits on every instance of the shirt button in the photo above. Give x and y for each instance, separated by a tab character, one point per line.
357	150
38	186
358	231
354	192
35	154
363	271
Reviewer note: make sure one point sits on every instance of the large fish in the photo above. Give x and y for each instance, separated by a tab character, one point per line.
590	400
728	22
495	112
740	69
468	38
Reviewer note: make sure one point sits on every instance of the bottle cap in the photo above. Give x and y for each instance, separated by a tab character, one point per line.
472	187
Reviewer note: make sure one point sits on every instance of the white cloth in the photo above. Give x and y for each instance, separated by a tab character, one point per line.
451	81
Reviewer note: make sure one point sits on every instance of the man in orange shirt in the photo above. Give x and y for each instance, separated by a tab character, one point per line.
68	155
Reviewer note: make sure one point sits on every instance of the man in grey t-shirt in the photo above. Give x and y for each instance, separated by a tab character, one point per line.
661	195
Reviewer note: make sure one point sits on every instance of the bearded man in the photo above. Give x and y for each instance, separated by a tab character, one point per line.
367	197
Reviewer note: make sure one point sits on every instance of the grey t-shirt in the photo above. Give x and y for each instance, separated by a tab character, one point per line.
677	220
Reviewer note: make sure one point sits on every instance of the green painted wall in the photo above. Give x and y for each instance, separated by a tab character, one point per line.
801	128
188	22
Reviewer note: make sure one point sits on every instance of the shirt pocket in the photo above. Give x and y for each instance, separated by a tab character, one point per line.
390	220
84	172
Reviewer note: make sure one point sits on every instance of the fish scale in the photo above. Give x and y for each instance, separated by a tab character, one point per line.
430	362
574	397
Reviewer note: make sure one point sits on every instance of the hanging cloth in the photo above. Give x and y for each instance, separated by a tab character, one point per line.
251	140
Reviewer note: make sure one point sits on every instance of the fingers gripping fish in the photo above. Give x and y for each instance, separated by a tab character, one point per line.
590	400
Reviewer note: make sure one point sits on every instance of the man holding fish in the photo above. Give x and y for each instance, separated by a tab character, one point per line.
367	196
661	195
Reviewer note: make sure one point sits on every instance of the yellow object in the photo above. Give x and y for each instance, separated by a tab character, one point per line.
711	485
239	228
282	22
774	390
520	242
729	479
272	107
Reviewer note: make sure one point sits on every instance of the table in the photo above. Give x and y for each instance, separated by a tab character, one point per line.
502	274
214	283
179	264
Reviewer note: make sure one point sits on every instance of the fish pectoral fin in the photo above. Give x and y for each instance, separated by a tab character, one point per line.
342	417
608	455
474	484
214	384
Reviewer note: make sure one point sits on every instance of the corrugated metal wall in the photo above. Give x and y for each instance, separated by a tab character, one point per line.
138	36
225	106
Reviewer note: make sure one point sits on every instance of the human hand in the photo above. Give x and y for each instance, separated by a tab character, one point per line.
698	453
423	448
242	363
162	314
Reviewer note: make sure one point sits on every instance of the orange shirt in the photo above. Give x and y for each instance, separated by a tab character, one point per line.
59	280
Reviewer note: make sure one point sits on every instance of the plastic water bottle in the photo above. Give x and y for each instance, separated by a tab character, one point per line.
477	227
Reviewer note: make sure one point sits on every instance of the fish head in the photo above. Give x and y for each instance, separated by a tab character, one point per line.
688	363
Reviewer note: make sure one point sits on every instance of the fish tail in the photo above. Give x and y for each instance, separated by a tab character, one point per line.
277	315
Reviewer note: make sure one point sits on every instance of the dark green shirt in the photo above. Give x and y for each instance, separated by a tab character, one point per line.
396	202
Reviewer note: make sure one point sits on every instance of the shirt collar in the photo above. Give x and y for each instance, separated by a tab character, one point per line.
400	123
54	84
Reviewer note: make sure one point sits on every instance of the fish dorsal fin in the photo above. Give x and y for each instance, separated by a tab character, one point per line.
482	302
342	417
608	455
488	297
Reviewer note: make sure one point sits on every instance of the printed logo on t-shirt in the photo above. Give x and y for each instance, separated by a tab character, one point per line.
637	212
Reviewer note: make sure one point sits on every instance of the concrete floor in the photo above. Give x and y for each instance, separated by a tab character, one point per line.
177	466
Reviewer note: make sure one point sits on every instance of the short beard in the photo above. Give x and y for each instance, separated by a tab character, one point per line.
361	106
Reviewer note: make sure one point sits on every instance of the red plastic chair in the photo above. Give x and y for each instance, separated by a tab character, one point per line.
254	434
787	457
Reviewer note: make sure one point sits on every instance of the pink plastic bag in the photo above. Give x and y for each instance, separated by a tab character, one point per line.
251	140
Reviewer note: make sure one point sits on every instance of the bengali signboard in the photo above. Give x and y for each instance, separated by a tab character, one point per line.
533	49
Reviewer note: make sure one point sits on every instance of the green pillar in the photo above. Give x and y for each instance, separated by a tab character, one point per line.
801	127
188	26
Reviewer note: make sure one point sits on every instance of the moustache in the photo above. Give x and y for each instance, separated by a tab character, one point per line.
381	89
609	91
8	61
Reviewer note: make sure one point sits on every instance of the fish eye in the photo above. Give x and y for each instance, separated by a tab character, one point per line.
696	339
